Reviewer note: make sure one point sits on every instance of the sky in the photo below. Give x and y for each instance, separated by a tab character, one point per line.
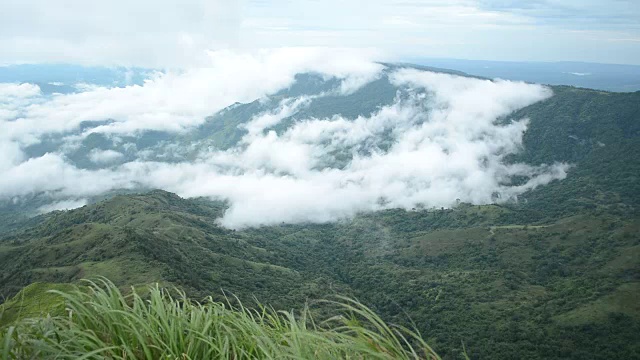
171	33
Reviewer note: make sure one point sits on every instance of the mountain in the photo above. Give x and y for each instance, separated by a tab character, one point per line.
596	132
609	77
64	78
540	264
474	273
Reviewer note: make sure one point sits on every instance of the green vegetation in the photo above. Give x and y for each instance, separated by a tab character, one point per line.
104	323
599	134
34	300
473	274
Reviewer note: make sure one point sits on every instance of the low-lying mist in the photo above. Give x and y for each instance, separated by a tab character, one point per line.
443	139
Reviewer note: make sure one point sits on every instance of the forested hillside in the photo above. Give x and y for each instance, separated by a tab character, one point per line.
598	133
474	273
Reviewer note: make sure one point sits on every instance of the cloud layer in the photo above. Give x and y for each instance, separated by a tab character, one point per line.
438	142
172	33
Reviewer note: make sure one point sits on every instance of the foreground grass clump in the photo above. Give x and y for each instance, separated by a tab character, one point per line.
102	323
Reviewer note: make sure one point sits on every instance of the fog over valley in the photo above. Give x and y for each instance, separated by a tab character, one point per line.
437	138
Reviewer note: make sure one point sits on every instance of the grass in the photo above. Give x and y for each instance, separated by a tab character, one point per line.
35	300
102	323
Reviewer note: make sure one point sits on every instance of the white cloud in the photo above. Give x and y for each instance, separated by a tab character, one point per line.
166	101
10	155
438	142
286	108
144	33
123	32
62	205
12	91
51	174
13	97
104	156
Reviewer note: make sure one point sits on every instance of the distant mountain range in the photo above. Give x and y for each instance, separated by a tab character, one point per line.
62	78
66	78
610	77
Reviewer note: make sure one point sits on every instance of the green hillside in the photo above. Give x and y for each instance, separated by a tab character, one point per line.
599	134
469	274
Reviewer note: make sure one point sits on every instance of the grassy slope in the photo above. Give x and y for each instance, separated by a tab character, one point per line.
35	300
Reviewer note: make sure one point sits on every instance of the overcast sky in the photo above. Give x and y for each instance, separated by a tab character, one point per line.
168	33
